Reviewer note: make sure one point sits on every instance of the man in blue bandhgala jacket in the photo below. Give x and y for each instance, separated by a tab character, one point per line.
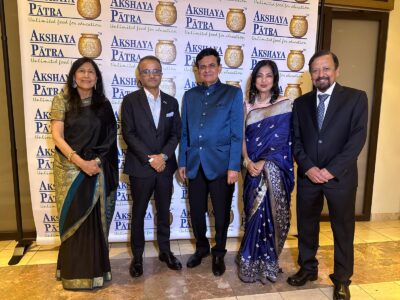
210	153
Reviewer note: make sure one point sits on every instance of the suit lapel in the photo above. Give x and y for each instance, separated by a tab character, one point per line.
146	107
163	112
312	106
334	104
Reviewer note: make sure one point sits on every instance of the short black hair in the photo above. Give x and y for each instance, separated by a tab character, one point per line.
149	57
207	52
323	53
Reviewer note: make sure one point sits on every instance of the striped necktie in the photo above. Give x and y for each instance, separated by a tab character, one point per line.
321	109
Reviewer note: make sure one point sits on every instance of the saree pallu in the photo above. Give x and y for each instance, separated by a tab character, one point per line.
85	203
267	196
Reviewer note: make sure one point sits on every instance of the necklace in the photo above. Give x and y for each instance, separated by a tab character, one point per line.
267	100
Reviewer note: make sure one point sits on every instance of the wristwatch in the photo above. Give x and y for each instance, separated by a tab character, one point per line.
164	156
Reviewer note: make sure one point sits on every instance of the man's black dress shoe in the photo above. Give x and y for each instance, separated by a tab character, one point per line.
195	259
301	278
136	267
218	265
341	292
171	261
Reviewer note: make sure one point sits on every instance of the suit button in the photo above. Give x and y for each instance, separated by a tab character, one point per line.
319	141
200	136
201	148
203	113
201	124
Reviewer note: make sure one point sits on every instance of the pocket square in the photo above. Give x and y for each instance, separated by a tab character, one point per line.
170	114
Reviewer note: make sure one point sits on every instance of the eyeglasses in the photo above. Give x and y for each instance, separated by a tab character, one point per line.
210	66
156	72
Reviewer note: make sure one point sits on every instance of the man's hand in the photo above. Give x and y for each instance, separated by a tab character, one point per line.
232	176
317	176
327	174
157	162
182	173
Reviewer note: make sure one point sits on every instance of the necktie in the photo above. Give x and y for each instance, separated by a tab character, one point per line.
321	109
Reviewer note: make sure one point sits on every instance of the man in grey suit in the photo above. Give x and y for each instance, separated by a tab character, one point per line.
330	129
151	128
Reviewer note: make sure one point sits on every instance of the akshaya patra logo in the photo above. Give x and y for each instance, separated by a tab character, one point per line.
44	158
122	85
192	49
122	221
129	50
50	223
42	123
262	24
46	193
50	44
128	12
258	54
42	10
47	84
123	195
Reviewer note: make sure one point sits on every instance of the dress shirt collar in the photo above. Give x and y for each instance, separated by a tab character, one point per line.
150	95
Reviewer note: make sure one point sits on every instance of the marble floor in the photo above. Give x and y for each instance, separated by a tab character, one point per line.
376	274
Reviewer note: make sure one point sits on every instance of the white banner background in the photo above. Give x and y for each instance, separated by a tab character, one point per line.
53	35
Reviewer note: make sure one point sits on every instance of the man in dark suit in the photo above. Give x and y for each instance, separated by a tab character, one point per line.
151	128
330	129
210	151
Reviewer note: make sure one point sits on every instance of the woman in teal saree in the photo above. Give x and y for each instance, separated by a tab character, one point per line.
84	131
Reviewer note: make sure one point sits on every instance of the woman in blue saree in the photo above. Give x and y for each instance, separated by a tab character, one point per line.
269	179
84	132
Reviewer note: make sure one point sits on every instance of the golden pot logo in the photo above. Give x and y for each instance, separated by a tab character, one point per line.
236	19
166	51
233	56
231	217
89	45
89	9
234	83
166	13
168	86
298	26
295	60
293	91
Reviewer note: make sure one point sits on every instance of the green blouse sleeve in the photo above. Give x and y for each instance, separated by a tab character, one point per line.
58	108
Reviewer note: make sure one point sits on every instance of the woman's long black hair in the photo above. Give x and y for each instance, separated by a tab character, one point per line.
74	100
253	92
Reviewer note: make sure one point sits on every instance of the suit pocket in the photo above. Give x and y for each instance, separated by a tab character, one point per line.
224	148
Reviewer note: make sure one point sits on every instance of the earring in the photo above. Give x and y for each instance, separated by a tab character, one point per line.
74	85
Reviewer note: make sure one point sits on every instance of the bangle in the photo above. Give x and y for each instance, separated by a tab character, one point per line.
70	155
245	162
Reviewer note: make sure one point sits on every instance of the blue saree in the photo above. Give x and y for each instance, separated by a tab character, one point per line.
267	196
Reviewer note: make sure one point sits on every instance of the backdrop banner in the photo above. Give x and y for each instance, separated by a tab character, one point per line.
117	33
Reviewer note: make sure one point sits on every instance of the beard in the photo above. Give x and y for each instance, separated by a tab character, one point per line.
323	83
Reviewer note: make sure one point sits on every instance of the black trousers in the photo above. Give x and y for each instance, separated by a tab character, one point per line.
341	205
221	198
142	189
